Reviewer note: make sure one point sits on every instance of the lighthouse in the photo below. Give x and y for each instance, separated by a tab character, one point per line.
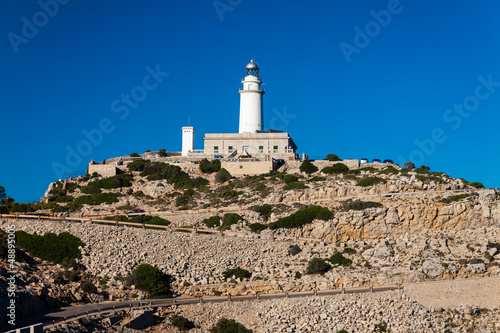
251	113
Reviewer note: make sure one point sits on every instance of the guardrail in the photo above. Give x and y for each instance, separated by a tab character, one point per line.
106	308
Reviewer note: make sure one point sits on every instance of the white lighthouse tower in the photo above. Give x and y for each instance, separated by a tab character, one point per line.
251	114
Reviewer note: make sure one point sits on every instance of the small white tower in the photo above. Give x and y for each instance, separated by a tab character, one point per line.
187	140
251	114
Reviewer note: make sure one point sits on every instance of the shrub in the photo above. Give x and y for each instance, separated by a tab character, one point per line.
301	217
90	189
212	222
237	273
308	167
137	165
88	287
389	170
339	260
98	199
84	321
228	326
362	205
317	266
51	247
182	323
222	176
295	185
138	194
455	198
118	181
493	245
148	219
335	168
369	181
264	210
162	152
333	157
134	155
257	227
294	249
316	179
290	179
349	250
409	165
229	219
476	185
342	331
298	275
207	166
260	187
150	279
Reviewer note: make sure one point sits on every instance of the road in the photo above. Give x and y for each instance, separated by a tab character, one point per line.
59	316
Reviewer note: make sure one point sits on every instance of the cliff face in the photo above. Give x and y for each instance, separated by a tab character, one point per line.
410	216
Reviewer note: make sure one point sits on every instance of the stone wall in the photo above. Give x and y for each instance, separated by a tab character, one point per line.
243	167
105	170
480	292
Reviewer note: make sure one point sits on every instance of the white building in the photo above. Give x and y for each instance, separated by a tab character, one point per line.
251	140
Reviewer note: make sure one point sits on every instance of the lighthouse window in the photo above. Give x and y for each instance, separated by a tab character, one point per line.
275	149
230	148
216	149
261	149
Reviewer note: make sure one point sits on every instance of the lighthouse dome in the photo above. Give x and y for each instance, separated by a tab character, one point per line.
252	69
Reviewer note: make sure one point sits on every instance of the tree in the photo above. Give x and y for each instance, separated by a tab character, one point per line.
162	152
317	266
182	323
425	168
409	165
222	176
150	279
134	155
228	326
3	195
209	167
333	157
308	167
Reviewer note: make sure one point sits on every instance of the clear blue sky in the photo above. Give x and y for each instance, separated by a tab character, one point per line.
372	79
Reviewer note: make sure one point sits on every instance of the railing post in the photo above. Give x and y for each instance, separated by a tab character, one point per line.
229	298
201	300
371	288
315	292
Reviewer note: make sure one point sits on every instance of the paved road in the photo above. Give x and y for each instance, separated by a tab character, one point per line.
71	313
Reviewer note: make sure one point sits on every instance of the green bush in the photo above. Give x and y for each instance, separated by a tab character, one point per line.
290	179
212	222
237	273
90	189
257	227
162	152
294	249
137	165
51	247
222	176
150	279
369	181
316	179
335	168
84	321
172	174
134	155
333	157
229	219
476	185
148	219
89	287
362	205
493	245
138	194
339	260
264	210
228	326
295	185
317	266
298	275
207	166
97	199
308	167
260	187
118	181
389	170
65	198
182	323
455	198
348	250
302	217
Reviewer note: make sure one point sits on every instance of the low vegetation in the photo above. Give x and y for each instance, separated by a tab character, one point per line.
333	157
362	205
335	168
317	266
207	166
182	323
302	217
237	272
118	181
339	260
151	280
369	181
50	247
454	198
308	167
228	326
295	185
222	176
